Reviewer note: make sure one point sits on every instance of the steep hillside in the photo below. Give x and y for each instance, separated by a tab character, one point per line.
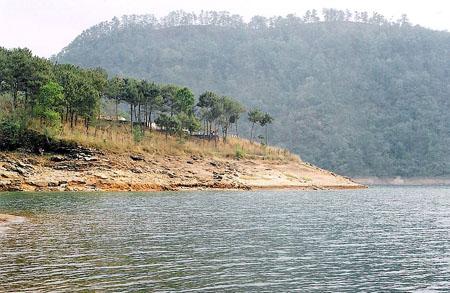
357	95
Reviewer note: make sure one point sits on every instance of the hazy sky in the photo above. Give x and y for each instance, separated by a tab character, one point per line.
46	26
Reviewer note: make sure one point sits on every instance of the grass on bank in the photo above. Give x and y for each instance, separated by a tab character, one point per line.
118	138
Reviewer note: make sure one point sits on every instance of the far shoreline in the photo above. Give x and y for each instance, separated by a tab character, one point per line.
403	181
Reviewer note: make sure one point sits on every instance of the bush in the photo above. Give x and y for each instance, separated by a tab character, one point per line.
138	134
240	153
12	130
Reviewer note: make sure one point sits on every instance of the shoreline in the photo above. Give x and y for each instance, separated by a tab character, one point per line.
92	170
404	181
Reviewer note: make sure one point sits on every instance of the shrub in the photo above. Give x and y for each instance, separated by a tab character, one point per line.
138	134
239	153
12	130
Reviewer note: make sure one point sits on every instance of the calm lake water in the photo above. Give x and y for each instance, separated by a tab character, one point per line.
381	239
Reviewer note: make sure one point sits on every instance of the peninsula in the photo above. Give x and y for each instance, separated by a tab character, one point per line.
67	128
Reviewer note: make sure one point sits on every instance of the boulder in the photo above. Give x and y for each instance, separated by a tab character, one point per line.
137	157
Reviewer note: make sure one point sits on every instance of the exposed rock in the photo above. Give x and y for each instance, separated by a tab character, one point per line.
57	158
137	157
53	183
16	169
38	183
90	159
85	169
101	176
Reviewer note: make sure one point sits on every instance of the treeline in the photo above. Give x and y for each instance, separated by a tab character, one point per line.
58	93
51	93
226	19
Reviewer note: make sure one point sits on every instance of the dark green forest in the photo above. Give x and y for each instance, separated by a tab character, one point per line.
350	91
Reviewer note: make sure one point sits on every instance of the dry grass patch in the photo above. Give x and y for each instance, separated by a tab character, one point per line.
118	138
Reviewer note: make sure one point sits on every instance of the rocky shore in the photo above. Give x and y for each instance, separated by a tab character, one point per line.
84	169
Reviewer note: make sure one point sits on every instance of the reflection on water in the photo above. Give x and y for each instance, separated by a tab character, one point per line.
379	239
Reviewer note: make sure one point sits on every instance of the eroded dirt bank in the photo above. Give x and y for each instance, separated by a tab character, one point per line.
84	169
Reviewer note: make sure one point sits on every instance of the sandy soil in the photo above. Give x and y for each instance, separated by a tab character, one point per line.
96	171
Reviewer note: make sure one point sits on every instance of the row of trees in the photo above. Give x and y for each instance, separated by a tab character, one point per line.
51	92
257	117
175	107
56	93
226	19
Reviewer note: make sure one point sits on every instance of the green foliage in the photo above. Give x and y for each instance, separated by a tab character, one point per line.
265	120
254	116
12	130
351	92
23	73
49	106
229	112
170	124
184	100
138	134
54	93
240	153
220	111
189	123
82	89
51	96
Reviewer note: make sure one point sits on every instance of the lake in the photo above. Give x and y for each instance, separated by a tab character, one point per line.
380	239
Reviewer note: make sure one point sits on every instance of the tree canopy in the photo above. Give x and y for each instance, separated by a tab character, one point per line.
55	94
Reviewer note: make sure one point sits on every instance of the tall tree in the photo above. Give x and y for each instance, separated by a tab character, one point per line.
264	121
152	99
115	91
131	96
254	116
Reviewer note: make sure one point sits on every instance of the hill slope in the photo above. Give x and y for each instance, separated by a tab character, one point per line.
357	96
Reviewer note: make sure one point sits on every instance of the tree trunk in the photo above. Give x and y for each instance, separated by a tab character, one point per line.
150	119
14	100
224	134
117	109
139	114
146	116
87	125
131	118
71	119
267	139
251	133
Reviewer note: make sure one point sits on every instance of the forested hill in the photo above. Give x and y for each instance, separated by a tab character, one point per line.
350	92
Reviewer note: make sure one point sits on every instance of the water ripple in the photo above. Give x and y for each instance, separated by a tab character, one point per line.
381	239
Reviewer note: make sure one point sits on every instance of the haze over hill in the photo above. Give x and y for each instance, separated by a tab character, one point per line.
350	92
